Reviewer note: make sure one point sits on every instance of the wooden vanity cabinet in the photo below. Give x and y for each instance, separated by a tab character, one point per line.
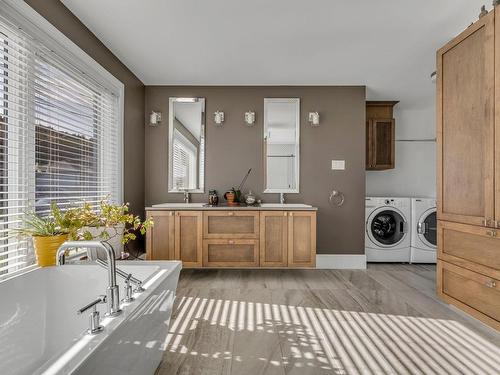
233	238
380	135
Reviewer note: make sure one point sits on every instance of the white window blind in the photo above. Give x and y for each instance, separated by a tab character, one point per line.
60	138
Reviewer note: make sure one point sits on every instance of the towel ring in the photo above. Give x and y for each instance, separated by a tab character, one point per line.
337	198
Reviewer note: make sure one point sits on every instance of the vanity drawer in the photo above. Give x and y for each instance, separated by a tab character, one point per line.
230	253
470	289
231	224
470	246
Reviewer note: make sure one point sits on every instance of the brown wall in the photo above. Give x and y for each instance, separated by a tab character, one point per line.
57	14
233	148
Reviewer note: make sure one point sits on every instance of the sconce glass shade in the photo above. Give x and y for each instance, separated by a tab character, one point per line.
218	117
154	118
314	118
250	118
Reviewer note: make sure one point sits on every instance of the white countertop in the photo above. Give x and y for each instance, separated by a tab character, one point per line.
261	207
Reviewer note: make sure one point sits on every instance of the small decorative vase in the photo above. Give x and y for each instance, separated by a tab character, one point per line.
46	248
230	197
250	198
213	198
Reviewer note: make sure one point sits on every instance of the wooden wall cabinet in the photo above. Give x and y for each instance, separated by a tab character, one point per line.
468	170
380	135
233	238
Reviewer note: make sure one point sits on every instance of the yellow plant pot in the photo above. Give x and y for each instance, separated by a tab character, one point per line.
46	249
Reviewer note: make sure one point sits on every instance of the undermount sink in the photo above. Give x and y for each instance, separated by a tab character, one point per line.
179	205
285	205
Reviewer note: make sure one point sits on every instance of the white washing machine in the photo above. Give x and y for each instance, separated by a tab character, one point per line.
423	231
387	237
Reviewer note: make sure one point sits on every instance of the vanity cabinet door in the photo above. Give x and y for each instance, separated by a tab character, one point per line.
160	238
188	238
273	239
301	239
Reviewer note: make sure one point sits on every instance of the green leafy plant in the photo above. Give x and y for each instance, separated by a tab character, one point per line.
107	218
55	224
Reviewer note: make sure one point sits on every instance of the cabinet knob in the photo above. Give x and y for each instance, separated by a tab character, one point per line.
230	242
230	214
491	233
290	213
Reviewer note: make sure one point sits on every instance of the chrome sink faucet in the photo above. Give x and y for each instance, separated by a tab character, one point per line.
282	198
187	197
112	291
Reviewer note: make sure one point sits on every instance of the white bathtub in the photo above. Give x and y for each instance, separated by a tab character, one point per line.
41	333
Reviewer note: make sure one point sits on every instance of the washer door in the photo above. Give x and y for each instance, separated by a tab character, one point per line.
387	227
427	228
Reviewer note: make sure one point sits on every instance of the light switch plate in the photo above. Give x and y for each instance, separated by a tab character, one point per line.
338	165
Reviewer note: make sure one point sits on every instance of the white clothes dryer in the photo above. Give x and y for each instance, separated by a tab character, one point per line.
423	231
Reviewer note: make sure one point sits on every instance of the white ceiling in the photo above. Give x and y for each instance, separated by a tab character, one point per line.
387	45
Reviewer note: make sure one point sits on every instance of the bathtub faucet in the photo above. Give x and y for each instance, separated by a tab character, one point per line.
112	292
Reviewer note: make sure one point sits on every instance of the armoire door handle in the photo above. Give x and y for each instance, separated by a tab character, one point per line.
491	233
491	284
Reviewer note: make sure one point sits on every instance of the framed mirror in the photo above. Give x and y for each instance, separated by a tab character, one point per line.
281	144
186	145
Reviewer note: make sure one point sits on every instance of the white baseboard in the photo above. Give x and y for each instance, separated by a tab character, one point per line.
341	261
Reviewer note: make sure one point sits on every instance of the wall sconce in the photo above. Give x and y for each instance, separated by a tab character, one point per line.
218	118
314	118
250	118
434	77
154	118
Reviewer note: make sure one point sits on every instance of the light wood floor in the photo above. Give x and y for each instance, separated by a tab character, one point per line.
385	320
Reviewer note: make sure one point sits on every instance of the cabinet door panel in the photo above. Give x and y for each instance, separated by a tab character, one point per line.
231	224
470	246
369	144
465	125
160	238
188	238
473	292
383	143
230	253
273	239
301	239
